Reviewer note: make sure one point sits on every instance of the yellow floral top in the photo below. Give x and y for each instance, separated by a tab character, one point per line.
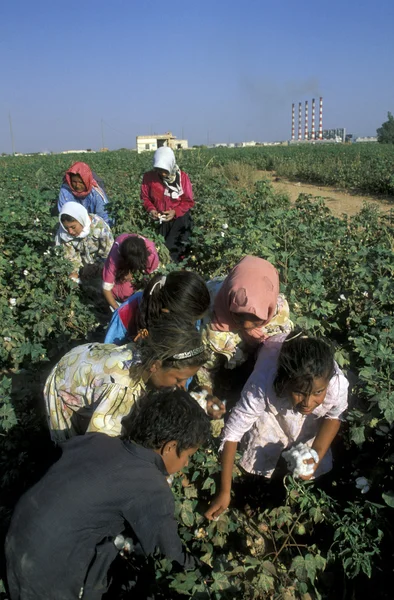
90	389
226	348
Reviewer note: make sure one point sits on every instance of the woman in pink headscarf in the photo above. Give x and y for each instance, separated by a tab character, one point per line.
246	309
80	185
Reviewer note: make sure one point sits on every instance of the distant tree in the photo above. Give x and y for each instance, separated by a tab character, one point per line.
386	131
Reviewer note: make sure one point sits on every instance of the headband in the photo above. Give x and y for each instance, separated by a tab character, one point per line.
300	333
161	283
190	353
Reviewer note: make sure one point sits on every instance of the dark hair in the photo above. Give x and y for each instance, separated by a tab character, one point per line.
166	415
184	294
169	337
301	360
67	218
133	257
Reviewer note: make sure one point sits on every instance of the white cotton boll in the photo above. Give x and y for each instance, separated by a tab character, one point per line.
201	398
365	294
225	226
361	482
119	542
342	297
296	457
25	272
12	301
222	234
7	339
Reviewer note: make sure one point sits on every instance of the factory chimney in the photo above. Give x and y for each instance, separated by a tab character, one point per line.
299	121
306	121
293	122
321	119
313	135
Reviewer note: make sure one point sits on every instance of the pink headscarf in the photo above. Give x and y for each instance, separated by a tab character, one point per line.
252	286
85	172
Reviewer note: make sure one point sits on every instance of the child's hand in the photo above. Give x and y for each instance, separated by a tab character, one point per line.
309	461
154	214
218	506
169	215
215	407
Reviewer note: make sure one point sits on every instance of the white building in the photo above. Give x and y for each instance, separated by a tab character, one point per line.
146	143
366	139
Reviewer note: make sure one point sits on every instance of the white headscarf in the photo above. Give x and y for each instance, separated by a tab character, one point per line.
164	158
80	214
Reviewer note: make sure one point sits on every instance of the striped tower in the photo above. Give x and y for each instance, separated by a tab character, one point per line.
293	122
299	121
321	119
313	120
306	121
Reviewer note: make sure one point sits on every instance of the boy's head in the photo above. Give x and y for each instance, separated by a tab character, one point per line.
171	423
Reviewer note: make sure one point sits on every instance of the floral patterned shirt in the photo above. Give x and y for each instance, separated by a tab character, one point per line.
91	386
227	347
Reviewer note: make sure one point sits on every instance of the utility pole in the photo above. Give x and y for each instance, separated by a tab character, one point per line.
12	134
102	134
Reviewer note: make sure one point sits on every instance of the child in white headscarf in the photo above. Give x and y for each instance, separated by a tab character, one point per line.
87	240
167	195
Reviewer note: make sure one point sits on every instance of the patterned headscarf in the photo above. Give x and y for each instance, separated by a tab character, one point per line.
252	287
85	173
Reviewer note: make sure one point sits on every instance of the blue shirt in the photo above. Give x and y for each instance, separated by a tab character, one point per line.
93	202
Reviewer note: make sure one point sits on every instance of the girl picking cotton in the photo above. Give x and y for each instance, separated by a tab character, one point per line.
183	294
86	239
130	255
94	386
167	195
296	395
246	310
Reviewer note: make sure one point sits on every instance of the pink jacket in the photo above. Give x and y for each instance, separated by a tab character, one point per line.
123	290
154	197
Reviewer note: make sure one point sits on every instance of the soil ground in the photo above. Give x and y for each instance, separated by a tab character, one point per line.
339	201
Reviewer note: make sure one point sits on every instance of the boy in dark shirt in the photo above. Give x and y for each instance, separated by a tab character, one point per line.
61	540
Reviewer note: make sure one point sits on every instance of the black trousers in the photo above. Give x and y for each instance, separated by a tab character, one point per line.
176	234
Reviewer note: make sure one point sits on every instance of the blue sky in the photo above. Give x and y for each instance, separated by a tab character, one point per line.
218	71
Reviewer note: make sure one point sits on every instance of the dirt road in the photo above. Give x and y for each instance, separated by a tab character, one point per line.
338	201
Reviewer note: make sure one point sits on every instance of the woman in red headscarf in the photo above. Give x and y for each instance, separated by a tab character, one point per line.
79	185
246	309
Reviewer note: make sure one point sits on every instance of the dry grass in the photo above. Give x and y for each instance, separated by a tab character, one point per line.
237	174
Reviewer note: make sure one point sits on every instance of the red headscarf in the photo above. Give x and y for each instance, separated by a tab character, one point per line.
252	286
85	173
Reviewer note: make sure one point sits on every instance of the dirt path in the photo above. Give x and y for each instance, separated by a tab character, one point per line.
338	201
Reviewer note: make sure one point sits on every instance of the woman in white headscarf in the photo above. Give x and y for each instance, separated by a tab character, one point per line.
167	195
87	240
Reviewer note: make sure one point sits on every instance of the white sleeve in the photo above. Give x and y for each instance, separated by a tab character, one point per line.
338	389
248	409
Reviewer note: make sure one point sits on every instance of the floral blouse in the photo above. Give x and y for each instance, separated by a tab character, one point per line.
91	385
93	249
227	347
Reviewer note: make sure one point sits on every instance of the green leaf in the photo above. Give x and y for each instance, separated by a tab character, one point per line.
187	515
389	498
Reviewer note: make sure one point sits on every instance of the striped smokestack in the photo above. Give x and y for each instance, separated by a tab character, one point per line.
313	119
299	121
293	122
321	119
306	121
